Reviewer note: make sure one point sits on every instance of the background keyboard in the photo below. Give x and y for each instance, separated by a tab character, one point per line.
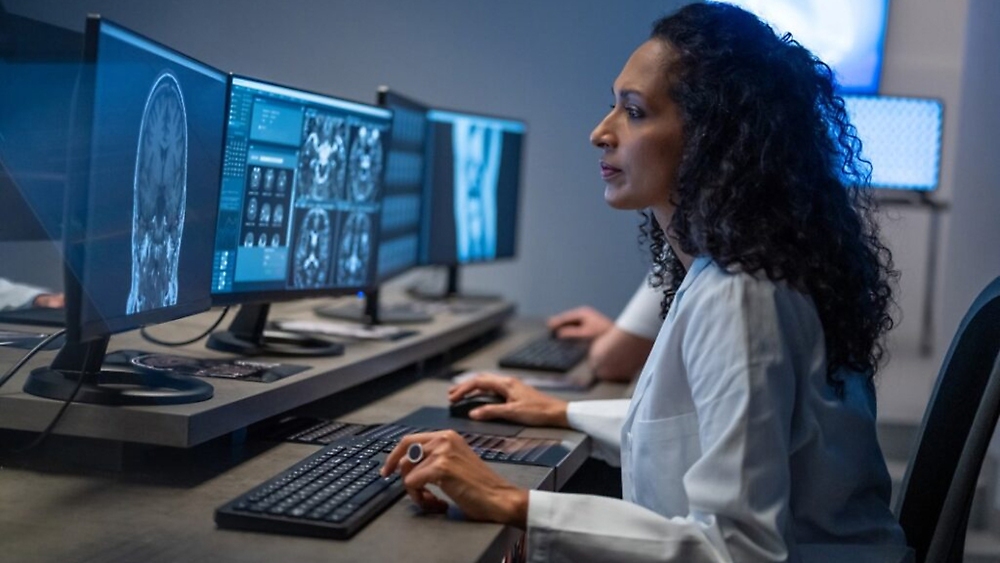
547	354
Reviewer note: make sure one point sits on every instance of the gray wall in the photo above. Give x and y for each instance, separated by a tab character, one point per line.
551	63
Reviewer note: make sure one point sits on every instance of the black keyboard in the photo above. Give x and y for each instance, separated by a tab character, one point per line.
332	493
547	354
336	491
43	316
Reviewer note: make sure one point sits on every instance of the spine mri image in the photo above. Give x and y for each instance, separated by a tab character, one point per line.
160	196
477	167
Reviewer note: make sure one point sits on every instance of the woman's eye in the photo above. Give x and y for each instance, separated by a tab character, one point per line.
633	112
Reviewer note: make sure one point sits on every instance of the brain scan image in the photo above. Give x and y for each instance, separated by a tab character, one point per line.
279	215
275	240
477	170
265	214
159	197
366	163
269	180
355	248
323	158
262	241
282	182
252	209
248	240
255	178
311	260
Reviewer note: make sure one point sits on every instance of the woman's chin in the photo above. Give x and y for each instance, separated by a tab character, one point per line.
614	198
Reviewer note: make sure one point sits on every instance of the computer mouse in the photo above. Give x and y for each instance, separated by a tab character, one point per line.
461	407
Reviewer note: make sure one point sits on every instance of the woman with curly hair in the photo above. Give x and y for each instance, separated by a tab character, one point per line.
751	433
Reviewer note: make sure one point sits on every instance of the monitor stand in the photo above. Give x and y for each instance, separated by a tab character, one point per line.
372	312
82	361
246	336
451	291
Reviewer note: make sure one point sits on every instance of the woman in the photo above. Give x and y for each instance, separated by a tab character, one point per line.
751	432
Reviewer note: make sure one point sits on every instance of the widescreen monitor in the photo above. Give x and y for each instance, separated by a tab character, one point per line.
848	35
300	206
141	203
901	138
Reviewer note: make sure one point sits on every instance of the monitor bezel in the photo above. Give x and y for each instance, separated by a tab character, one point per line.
277	295
79	327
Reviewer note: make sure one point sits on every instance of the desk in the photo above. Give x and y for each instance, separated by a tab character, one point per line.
160	508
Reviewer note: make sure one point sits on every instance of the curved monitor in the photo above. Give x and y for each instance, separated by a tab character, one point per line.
301	198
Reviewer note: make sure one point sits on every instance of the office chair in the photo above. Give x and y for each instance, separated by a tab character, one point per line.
933	507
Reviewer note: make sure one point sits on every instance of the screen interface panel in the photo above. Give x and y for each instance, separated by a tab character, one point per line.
301	192
399	244
152	188
473	179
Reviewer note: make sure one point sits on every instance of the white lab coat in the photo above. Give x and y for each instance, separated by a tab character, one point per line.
734	447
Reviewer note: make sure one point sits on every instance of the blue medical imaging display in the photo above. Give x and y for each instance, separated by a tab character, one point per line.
847	34
301	197
400	237
473	177
141	204
901	138
143	215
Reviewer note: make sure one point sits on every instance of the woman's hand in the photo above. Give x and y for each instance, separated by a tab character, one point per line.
525	404
581	322
450	464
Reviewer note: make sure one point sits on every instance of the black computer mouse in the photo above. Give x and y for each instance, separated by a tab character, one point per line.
461	407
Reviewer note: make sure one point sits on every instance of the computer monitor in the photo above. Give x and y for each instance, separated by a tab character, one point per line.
399	239
472	183
141	208
901	138
848	35
299	210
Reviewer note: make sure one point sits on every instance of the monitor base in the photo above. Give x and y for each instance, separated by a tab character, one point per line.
400	313
274	344
108	387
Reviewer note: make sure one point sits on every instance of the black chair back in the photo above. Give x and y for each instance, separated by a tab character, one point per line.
933	507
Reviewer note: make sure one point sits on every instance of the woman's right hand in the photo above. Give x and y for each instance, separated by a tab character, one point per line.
525	404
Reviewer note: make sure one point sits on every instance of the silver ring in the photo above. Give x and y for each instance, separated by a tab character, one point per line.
415	453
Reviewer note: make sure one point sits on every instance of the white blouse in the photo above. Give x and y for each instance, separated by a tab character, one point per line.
734	447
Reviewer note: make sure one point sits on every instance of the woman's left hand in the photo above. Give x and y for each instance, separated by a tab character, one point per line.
450	464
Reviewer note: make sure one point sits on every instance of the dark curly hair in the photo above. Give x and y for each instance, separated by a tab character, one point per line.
770	179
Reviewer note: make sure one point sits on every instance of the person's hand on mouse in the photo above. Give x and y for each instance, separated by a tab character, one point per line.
450	464
580	322
525	404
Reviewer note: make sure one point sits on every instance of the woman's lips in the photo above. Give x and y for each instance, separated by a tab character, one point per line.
608	171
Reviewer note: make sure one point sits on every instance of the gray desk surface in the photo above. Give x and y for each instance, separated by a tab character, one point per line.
237	404
161	508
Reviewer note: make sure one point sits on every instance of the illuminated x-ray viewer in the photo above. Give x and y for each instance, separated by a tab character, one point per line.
901	137
474	174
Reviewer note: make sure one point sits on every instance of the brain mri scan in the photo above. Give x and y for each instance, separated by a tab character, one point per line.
265	214
248	240
476	169
160	196
252	209
323	158
355	247
366	163
282	182
311	263
269	180
279	215
255	177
